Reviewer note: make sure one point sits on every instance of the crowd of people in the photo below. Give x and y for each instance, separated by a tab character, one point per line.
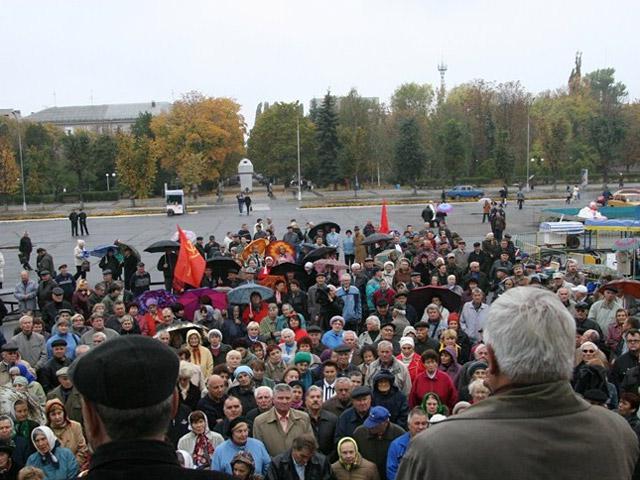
364	341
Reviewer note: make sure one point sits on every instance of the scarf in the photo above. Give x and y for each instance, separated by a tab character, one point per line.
203	451
349	466
48	457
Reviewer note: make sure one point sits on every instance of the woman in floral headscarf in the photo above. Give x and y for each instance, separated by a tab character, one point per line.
200	442
351	465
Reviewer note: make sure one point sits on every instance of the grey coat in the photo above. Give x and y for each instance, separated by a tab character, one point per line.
27	295
32	349
529	432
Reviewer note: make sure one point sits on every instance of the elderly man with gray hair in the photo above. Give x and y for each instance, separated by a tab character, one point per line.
386	361
534	425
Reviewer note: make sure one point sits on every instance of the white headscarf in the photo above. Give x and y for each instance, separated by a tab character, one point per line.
51	440
187	461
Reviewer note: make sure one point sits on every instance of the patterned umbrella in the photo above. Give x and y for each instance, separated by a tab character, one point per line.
259	245
273	249
242	295
191	300
321	265
444	208
163	297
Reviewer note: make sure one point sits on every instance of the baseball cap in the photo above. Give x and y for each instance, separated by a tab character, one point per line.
377	416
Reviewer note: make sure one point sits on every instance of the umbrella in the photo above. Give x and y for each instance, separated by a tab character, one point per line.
191	236
124	246
377	238
242	295
102	250
626	286
260	244
484	199
178	331
285	267
191	300
325	227
320	265
162	297
626	244
273	250
221	265
270	281
318	253
444	207
420	297
161	245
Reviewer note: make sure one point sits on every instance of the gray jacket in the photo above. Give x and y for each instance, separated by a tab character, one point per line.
27	295
32	348
528	432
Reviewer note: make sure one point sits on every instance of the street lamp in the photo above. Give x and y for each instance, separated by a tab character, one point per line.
298	146
113	175
24	195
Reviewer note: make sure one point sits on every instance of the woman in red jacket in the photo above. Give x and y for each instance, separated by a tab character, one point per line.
433	380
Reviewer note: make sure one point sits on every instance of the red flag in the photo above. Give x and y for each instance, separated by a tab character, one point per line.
384	221
190	265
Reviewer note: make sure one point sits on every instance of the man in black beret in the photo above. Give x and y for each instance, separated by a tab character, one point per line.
127	415
355	415
53	307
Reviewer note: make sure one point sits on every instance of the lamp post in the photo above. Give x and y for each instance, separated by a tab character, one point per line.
114	179
24	195
298	148
528	143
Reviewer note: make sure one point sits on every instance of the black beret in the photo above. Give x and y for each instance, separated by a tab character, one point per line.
388	324
57	291
610	288
382	303
59	342
314	328
235	422
476	244
421	324
151	373
106	271
595	395
360	391
401	294
44	272
582	306
413	274
342	349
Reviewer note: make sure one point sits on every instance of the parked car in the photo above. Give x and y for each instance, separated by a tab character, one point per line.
464	191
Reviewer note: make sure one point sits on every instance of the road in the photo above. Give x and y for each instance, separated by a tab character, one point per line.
140	231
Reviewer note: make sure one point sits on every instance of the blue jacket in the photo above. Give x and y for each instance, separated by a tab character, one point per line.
348	421
395	454
348	246
332	340
72	342
67	468
352	309
225	452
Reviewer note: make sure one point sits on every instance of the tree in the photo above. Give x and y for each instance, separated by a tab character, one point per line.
272	144
410	156
198	136
328	144
631	147
9	172
453	148
104	152
554	138
136	165
412	99
503	157
79	160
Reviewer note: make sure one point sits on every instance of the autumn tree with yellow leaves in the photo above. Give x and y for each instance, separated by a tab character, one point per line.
199	137
9	172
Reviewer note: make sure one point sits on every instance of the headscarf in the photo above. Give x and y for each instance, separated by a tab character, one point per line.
24	372
187	461
203	449
442	410
349	467
50	405
48	457
247	459
195	351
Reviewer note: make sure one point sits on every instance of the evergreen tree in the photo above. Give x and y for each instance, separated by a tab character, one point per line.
453	148
503	157
328	143
410	155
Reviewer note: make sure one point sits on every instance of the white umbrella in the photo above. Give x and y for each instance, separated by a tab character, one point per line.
484	199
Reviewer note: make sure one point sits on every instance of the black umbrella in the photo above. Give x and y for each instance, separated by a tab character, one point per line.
318	253
377	238
124	246
420	297
325	227
221	265
286	267
161	246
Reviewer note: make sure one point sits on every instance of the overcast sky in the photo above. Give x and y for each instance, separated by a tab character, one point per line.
282	50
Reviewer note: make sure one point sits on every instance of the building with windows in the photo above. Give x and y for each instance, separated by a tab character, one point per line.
114	118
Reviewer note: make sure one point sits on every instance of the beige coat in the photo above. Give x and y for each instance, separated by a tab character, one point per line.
529	433
267	429
71	437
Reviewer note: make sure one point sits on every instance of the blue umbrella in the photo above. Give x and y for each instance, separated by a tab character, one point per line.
102	250
242	295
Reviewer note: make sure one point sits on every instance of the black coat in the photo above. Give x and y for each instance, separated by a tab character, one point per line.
324	429
623	363
193	397
47	373
142	460
282	467
179	425
246	397
212	409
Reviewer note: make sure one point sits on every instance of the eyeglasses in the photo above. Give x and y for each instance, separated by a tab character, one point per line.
588	351
633	341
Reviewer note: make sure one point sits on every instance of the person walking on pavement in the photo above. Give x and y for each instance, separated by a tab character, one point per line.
247	202
25	248
73	218
82	216
240	199
520	199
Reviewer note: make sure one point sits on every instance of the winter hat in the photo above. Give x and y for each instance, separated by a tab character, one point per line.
216	332
409	329
479	365
302	357
462	405
438	417
242	369
336	318
406	341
